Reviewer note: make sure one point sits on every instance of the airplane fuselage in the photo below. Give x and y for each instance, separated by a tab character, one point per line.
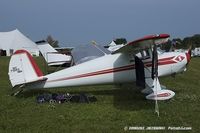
112	69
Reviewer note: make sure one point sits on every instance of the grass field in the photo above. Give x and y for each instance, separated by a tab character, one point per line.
116	108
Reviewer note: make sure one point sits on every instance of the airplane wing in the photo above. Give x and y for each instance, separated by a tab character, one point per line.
52	56
143	43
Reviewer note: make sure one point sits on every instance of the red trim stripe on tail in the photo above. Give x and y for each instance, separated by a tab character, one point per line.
32	61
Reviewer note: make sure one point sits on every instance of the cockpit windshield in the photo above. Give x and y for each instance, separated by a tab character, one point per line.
83	53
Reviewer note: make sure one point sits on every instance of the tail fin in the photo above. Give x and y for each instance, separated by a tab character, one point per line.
23	69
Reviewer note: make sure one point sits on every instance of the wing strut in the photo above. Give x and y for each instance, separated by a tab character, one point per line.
154	75
158	93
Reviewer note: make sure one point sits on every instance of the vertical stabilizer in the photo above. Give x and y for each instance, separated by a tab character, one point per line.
23	69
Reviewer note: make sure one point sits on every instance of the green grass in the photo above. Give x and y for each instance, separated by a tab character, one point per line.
117	106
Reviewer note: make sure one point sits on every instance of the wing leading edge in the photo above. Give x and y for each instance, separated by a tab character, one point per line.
143	43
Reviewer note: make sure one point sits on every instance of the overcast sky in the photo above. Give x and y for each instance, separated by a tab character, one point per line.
75	22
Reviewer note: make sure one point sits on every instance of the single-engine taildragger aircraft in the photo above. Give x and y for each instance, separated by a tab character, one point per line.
138	61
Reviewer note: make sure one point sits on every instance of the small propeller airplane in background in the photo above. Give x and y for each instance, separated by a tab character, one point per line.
52	56
138	61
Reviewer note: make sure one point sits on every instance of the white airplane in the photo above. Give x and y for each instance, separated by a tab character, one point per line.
52	56
137	61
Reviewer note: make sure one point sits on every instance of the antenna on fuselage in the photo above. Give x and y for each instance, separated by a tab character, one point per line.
94	43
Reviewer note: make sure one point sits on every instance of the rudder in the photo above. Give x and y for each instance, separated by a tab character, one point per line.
23	69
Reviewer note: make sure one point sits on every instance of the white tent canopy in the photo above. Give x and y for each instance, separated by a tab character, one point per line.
15	40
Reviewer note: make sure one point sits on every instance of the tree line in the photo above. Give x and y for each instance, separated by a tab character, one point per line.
177	43
185	43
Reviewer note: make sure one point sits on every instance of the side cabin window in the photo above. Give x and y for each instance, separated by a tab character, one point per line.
143	54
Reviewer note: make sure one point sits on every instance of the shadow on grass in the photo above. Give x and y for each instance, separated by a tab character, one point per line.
125	97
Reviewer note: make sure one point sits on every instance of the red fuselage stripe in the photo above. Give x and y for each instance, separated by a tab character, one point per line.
165	59
161	60
112	70
98	73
